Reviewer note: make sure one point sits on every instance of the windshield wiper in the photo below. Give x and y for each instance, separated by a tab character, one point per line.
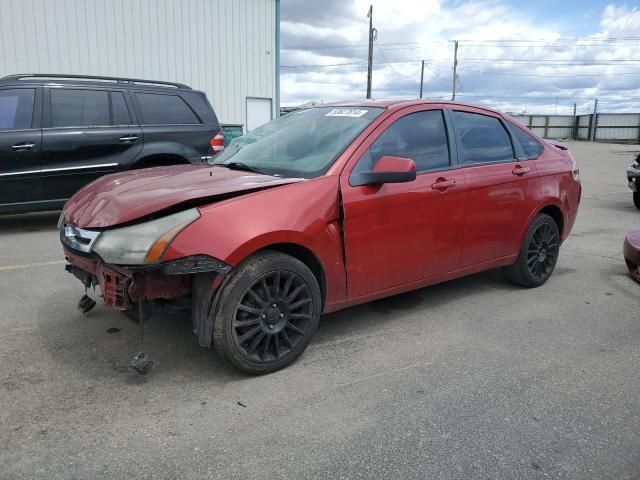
241	166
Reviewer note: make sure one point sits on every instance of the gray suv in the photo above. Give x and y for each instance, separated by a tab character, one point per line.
60	132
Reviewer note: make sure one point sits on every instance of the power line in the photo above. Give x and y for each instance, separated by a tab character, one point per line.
325	47
521	97
545	46
559	39
555	76
321	65
390	65
559	60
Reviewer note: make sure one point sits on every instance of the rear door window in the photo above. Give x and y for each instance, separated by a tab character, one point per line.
16	108
420	136
481	139
531	147
120	112
163	109
79	108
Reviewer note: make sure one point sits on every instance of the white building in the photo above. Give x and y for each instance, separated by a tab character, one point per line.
226	48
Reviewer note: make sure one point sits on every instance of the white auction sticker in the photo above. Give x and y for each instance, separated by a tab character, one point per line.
346	112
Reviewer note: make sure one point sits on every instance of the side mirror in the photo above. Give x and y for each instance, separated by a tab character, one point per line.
387	170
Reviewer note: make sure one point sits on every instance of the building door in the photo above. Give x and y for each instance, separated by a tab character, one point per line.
259	112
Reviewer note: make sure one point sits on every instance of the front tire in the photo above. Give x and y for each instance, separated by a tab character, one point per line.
636	199
538	253
267	313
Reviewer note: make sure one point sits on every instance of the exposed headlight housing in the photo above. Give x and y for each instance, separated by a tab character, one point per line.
143	243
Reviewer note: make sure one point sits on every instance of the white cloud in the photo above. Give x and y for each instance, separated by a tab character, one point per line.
411	30
620	20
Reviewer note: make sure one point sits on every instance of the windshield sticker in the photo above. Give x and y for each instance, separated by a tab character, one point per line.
346	112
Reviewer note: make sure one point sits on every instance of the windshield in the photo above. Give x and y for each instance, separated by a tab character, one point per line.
300	144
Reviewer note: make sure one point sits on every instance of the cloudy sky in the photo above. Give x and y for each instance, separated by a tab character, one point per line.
539	57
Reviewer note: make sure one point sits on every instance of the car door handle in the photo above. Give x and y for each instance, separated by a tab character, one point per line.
520	170
22	146
443	184
128	138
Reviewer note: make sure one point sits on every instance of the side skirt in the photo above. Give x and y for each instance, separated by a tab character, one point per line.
463	272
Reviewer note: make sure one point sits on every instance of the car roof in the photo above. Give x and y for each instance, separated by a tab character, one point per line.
395	104
84	80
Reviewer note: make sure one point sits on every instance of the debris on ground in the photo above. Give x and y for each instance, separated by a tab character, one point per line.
142	364
86	303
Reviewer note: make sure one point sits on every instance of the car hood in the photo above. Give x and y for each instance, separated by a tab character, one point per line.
124	197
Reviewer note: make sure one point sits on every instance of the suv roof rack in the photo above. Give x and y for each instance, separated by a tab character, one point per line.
130	81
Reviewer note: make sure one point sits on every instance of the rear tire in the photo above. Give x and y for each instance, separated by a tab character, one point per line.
538	253
267	313
636	199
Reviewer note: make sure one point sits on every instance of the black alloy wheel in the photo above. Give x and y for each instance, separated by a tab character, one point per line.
538	253
272	316
542	253
267	313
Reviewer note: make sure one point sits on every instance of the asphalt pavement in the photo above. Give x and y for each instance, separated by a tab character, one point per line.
474	378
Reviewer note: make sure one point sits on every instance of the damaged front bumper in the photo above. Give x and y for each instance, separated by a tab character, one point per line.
122	286
196	278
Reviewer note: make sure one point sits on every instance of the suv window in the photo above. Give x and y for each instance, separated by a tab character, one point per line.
79	108
119	111
16	108
420	136
162	109
482	139
531	147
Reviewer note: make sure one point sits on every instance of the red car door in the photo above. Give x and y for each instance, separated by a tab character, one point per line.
502	192
398	233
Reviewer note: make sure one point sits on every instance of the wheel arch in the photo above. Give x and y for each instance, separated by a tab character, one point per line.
160	159
549	208
306	256
556	213
165	149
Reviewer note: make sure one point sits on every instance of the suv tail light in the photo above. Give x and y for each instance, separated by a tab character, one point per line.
217	142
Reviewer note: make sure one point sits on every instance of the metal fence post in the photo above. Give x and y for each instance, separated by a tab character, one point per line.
594	121
546	126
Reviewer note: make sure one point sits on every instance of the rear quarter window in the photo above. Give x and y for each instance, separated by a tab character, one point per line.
119	111
530	146
165	109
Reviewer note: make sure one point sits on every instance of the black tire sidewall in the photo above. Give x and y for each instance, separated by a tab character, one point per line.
636	199
522	258
233	291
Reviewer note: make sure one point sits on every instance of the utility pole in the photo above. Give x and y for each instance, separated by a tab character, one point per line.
594	121
421	78
370	68
575	122
455	69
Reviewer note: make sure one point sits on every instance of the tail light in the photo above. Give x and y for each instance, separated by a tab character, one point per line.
217	142
575	170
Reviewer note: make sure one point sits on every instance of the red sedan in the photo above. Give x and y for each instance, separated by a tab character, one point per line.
320	210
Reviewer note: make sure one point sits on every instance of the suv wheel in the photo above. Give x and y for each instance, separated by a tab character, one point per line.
538	253
636	199
267	313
